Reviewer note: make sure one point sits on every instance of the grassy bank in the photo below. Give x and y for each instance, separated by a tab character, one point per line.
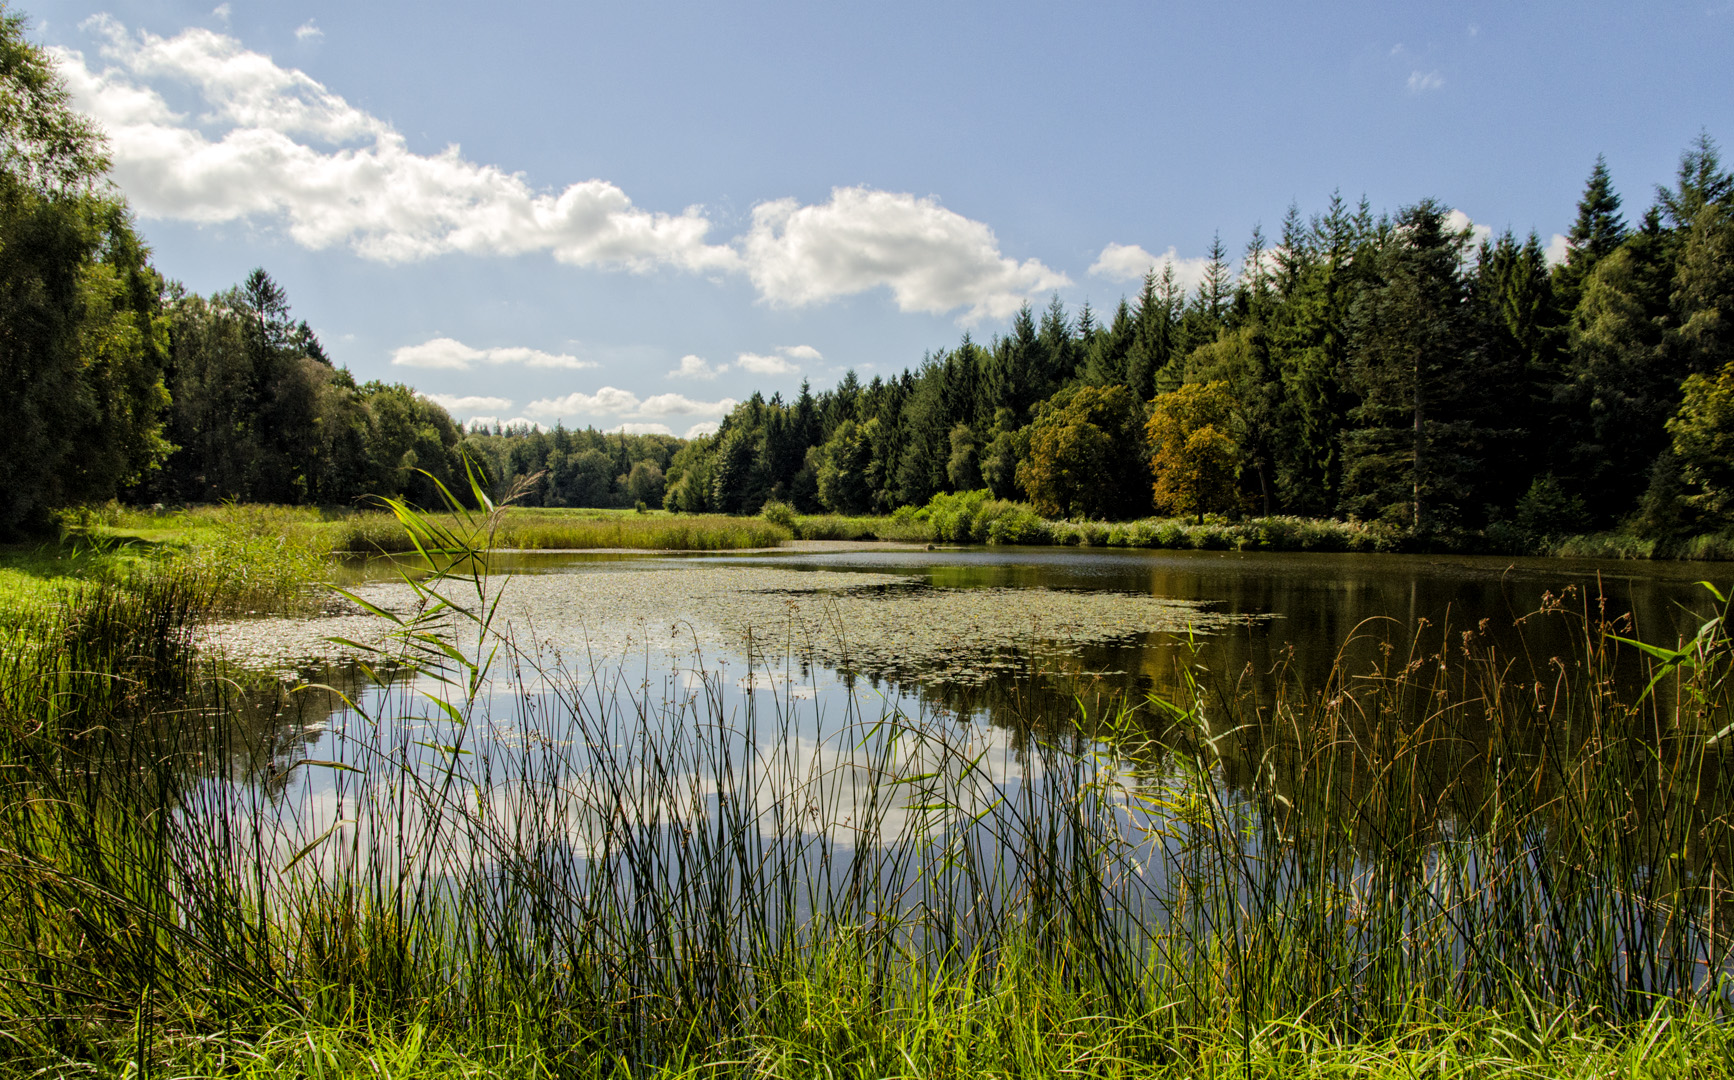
326	531
1459	865
977	518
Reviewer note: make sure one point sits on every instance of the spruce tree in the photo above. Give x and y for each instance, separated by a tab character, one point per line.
1598	230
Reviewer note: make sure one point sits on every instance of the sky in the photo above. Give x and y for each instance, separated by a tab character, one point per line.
634	214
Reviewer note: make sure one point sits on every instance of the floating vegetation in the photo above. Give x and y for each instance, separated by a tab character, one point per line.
877	624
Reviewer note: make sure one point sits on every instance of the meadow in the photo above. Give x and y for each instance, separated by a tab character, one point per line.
1463	864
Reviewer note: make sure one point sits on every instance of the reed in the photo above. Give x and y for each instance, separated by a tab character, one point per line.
543	531
1462	861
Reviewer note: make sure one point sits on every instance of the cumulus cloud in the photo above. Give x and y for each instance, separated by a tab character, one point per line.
1129	262
701	429
681	405
642	429
1422	81
221	11
760	364
1557	249
782	362
451	354
932	259
612	401
696	367
1457	221
256	153
307	31
271	144
454	403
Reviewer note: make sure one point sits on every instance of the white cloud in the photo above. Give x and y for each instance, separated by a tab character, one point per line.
1422	81
642	429
932	259
681	405
616	402
454	403
308	32
1457	221
782	362
701	429
453	355
609	399
1129	262
765	365
696	367
221	11
269	144
1557	249
251	155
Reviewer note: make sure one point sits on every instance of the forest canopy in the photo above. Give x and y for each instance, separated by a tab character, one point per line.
1369	367
1373	367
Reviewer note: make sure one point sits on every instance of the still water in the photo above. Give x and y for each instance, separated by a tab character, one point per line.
643	703
1249	613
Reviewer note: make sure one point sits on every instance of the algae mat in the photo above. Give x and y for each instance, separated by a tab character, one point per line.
869	623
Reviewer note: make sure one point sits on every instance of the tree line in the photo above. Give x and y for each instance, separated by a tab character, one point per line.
1366	367
120	383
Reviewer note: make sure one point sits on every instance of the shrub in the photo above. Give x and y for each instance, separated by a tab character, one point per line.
778	513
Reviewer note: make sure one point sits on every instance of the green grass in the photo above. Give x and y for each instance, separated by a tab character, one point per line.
1462	864
544	530
328	530
1456	866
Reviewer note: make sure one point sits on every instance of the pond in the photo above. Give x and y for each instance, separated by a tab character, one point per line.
1437	760
1013	636
1004	643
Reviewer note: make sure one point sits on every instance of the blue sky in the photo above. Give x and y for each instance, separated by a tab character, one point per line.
634	213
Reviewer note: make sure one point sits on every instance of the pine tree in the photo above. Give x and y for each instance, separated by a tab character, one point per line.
1414	364
1598	230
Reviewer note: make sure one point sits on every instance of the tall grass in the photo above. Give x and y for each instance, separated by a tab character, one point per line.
582	872
381	533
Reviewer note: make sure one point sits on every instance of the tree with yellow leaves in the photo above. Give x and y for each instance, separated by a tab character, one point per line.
1193	452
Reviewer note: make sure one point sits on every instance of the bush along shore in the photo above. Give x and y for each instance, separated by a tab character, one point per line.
302	545
1456	866
977	517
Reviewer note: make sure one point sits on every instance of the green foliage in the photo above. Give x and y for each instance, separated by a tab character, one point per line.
778	513
1548	511
1412	454
81	334
260	414
843	468
1085	455
1194	458
1348	905
1703	449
